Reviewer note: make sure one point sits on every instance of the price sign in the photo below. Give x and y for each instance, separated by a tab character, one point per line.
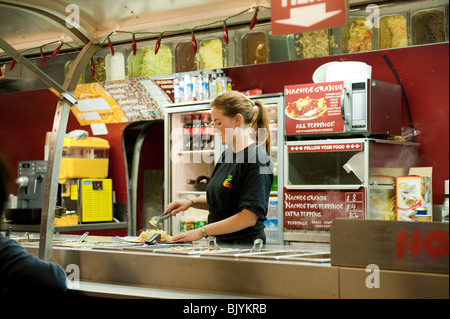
305	209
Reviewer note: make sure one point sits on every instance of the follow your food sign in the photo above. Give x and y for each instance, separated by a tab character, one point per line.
295	16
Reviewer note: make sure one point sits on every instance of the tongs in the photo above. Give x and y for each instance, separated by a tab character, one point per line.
212	239
82	238
156	220
257	242
155	237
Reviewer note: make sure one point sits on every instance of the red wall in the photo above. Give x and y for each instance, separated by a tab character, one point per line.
424	71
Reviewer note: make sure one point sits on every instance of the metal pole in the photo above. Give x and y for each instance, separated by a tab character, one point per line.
56	147
66	99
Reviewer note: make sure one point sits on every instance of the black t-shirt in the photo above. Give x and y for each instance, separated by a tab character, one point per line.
240	180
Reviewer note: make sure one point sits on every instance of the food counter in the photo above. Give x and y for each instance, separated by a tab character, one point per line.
115	267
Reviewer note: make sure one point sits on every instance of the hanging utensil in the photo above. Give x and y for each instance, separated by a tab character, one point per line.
212	239
82	238
259	242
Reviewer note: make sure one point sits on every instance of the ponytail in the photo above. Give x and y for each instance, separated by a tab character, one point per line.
254	114
261	121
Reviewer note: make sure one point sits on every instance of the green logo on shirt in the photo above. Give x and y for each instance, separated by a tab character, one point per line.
227	182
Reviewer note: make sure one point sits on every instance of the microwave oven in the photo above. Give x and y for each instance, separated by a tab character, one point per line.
343	108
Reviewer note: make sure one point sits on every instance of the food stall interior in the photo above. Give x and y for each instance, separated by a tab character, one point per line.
140	179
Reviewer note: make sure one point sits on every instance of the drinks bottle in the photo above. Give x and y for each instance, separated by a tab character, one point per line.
187	133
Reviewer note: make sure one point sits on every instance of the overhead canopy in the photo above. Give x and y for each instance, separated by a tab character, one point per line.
29	24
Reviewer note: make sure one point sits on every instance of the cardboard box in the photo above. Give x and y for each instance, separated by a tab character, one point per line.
414	191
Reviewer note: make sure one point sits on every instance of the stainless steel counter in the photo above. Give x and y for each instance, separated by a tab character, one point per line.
138	272
198	275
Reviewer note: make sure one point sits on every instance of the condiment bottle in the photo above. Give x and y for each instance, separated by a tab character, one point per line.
213	85
188	88
178	88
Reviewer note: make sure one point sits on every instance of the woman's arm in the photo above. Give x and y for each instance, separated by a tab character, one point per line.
183	204
239	221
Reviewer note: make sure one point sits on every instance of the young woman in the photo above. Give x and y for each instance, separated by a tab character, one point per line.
237	195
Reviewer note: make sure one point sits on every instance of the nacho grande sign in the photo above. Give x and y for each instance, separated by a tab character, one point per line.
316	209
313	108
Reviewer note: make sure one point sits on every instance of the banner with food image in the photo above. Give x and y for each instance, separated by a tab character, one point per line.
313	108
119	101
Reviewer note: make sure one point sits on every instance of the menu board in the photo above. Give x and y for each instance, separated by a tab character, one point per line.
316	209
313	108
130	100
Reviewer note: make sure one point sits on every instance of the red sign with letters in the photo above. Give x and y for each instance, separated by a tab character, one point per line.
313	108
295	16
327	147
306	209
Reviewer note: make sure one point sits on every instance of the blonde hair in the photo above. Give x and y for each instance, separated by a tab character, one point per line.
254	114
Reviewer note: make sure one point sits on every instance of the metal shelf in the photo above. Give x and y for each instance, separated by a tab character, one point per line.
68	228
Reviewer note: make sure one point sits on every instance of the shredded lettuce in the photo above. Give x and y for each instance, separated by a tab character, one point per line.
159	64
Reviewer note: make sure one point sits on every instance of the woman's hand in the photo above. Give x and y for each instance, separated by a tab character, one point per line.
191	235
178	206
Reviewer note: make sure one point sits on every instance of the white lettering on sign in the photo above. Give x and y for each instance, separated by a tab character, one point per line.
326	147
317	209
284	3
315	88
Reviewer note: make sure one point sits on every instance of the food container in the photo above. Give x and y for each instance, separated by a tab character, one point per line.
147	63
314	44
412	192
185	57
382	198
99	75
254	47
115	66
392	31
429	26
211	54
357	36
422	215
282	48
67	68
67	219
84	158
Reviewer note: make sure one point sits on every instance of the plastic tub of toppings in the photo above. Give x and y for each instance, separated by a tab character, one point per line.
429	26
314	44
392	32
254	47
185	57
281	48
115	66
211	54
99	74
357	35
147	63
67	67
